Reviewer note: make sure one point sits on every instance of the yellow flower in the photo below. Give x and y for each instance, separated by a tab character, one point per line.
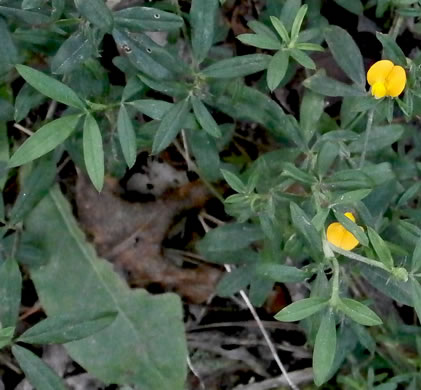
337	235
386	79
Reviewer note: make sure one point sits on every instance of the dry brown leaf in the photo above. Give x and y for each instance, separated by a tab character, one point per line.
131	234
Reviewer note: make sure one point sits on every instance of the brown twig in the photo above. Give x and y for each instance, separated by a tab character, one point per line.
259	323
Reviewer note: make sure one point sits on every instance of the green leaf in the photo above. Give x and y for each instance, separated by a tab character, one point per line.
398	290
156	109
261	29
133	88
409	12
169	88
311	110
277	69
234	181
29	252
303	224
354	6
379	138
170	125
281	273
93	152
35	186
324	348
302	58
206	153
57	9
8	51
381	7
382	250
301	309
346	53
230	237
127	136
31	4
62	328
326	157
72	53
160	54
30	17
259	291
349	179
329	87
309	46
159	359
391	49
44	140
10	293
320	218
6	110
97	12
280	28
260	41
352	227
416	296
234	281
41	376
142	56
364	337
204	118
298	21
237	66
147	19
359	312
351	196
290	170
416	257
363	104
203	22
289	12
6	336
27	99
2	210
50	87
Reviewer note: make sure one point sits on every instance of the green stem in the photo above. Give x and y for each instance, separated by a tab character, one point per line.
335	283
184	31
396	26
368	128
362	259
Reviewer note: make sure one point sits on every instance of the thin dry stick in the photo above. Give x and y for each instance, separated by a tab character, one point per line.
23	129
186	148
195	373
51	109
32	310
301	376
259	323
212	218
192	166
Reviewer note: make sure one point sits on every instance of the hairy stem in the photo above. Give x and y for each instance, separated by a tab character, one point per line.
367	136
335	283
362	259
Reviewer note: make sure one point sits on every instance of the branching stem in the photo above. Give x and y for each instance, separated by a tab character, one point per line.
362	259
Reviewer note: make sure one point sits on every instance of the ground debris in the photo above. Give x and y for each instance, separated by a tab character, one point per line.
130	235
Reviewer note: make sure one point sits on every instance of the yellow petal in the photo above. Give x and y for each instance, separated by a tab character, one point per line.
350	216
378	90
335	233
379	71
349	242
396	81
